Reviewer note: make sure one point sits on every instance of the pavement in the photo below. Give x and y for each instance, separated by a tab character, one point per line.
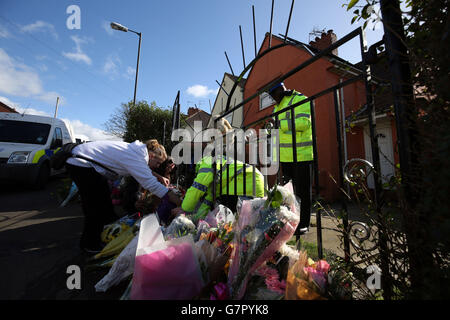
39	241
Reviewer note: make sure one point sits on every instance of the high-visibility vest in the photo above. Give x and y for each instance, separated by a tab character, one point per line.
201	189
303	135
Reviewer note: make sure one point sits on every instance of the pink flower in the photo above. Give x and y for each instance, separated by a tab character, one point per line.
323	266
317	276
220	292
272	279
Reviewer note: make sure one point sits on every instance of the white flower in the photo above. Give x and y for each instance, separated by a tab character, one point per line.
288	197
290	252
284	214
253	235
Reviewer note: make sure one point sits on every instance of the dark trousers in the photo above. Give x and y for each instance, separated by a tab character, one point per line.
96	203
301	175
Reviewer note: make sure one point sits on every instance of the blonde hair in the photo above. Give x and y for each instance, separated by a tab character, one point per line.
155	148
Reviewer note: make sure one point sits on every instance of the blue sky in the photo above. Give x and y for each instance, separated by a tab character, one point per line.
92	69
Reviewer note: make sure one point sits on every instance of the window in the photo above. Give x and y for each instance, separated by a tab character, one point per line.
265	100
24	132
57	136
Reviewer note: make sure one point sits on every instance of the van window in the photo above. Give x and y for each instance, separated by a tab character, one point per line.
24	132
57	135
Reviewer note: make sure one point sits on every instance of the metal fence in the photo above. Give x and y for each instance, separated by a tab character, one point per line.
364	76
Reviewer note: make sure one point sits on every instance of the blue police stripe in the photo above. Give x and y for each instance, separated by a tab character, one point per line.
200	187
205	170
48	152
207	202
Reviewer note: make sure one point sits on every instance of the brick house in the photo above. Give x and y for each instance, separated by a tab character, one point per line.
6	108
322	74
196	115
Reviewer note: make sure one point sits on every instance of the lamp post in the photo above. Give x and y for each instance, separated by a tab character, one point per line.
117	26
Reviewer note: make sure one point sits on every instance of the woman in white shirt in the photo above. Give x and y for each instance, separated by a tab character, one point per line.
95	162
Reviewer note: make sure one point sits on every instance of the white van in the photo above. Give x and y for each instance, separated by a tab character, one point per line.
26	145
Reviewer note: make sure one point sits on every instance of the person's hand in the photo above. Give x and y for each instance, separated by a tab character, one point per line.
177	211
165	181
174	198
162	179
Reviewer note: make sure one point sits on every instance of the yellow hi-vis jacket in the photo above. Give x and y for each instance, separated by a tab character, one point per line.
303	135
201	189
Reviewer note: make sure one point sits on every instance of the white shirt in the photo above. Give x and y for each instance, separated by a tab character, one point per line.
123	158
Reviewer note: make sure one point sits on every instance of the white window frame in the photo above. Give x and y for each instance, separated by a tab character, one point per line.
265	101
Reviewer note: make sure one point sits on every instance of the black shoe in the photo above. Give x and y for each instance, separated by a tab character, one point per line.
92	249
301	231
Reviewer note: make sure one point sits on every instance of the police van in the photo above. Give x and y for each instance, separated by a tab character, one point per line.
26	144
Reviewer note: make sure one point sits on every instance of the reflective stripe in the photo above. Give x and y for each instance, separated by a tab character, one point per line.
289	123
299	144
292	99
205	170
208	203
38	155
199	186
306	115
242	169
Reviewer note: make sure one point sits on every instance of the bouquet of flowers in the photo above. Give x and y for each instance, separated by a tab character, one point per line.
214	244
307	280
179	227
263	226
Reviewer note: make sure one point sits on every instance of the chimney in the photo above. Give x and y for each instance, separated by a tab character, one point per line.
325	40
192	111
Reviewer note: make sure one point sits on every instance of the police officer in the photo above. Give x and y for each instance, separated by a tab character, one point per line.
300	172
199	197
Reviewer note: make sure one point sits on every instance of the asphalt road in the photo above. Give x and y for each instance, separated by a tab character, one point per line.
38	242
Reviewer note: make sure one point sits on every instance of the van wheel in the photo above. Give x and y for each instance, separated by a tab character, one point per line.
42	177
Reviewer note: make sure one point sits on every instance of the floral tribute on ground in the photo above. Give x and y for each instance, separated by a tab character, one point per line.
227	255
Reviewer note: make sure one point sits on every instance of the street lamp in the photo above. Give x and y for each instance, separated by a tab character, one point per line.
117	26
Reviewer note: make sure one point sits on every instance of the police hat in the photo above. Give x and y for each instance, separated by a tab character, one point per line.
279	84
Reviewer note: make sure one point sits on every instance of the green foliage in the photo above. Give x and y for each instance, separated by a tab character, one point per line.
274	198
426	218
142	122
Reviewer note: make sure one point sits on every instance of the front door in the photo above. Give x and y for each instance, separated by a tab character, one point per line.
385	145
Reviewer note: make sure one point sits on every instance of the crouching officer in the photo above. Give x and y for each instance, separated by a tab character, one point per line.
199	197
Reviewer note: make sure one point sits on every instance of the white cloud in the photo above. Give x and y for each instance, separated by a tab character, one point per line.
94	134
107	27
41	57
130	73
111	65
17	79
50	97
78	55
4	33
200	91
43	67
40	26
